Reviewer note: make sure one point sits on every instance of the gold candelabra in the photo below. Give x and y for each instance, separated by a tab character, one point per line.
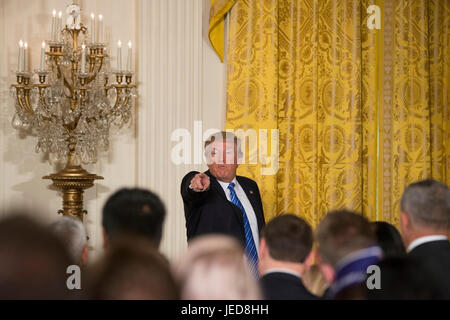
72	105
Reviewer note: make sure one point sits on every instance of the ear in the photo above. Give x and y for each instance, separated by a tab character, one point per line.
262	259
84	255
262	248
105	239
405	222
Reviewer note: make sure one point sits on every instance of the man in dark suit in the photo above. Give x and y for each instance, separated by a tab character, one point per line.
286	242
425	221
218	201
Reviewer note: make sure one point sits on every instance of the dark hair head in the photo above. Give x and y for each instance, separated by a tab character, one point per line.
427	203
342	232
134	211
402	278
33	261
389	239
288	238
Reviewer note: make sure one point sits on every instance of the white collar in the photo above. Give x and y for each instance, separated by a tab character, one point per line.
224	185
417	242
283	270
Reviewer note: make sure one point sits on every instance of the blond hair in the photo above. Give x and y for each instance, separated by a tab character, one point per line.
215	268
314	280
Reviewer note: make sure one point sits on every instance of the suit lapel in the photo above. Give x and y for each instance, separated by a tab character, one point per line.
251	195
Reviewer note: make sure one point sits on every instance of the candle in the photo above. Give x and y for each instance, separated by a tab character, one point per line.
43	57
92	28
59	27
119	56
25	55
100	29
54	25
20	64
83	58
129	57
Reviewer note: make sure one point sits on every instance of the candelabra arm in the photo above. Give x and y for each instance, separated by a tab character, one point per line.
19	97
92	69
100	64
91	64
118	95
27	101
24	101
91	78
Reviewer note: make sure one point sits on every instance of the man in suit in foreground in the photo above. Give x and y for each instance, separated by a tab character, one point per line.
425	221
218	201
286	242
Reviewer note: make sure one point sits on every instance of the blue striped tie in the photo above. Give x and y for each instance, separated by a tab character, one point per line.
250	247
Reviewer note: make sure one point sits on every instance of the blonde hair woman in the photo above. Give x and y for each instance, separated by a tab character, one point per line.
215	268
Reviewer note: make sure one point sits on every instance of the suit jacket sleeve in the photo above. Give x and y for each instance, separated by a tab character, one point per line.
191	198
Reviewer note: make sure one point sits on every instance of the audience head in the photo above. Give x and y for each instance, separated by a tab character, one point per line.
223	154
403	279
285	241
342	232
134	211
215	268
388	239
72	233
33	261
425	210
132	270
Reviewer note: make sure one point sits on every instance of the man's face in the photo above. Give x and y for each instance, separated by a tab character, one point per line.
222	160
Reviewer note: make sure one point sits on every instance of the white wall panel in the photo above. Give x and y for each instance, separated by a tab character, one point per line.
180	78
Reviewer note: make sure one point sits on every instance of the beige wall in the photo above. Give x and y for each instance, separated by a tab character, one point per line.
180	80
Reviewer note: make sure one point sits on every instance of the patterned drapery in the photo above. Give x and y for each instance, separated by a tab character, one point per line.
361	112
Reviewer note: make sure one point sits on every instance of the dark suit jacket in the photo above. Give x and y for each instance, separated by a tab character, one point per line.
435	256
284	286
211	212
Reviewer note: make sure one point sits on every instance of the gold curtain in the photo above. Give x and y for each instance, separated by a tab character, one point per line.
361	112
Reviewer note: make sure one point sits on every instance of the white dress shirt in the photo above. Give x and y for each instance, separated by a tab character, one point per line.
240	193
425	239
